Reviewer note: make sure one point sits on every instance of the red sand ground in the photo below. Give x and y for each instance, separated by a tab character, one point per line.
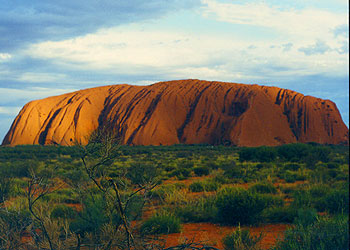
212	234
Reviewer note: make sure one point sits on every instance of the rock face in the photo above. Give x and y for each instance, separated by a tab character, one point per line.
186	111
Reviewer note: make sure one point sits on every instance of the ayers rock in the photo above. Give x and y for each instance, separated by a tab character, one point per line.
184	111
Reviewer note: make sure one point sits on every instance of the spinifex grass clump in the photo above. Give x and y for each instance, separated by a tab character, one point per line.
161	223
161	192
197	186
323	234
237	205
279	214
201	209
241	240
207	186
323	198
263	188
201	171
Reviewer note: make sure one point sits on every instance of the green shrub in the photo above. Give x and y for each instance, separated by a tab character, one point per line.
74	176
291	166
227	165
263	188
260	166
13	225
68	195
237	205
333	165
234	172
324	234
321	175
260	154
311	197
6	186
201	171
334	173
291	177
211	185
142	173
202	209
170	168
19	168
61	197
241	240
212	165
271	200
201	186
288	189
96	213
161	223
306	216
321	153
337	201
323	198
197	186
161	191
91	218
279	214
17	190
341	176
185	164
302	198
133	210
63	211
220	178
293	152
319	190
180	173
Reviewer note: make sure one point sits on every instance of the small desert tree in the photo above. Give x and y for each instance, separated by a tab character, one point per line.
13	223
46	233
118	196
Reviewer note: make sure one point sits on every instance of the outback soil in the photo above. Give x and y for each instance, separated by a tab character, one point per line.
211	234
184	111
206	233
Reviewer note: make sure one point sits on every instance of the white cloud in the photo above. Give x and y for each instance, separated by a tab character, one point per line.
131	50
5	56
144	82
301	27
305	43
307	24
120	47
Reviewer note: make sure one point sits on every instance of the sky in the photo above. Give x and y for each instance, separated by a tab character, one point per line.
54	47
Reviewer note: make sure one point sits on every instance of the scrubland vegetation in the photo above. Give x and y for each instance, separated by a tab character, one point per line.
104	196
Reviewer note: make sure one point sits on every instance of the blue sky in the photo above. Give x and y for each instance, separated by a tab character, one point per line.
52	47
